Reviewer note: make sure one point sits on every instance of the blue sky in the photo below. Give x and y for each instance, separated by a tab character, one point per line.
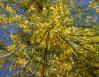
82	2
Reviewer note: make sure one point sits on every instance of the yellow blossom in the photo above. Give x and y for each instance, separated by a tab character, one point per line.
22	46
27	30
20	61
9	8
13	37
11	47
93	4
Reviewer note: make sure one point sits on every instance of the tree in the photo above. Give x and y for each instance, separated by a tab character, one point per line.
47	42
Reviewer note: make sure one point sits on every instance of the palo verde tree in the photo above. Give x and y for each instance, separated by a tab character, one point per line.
47	43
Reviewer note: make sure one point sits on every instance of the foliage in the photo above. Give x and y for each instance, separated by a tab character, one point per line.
47	42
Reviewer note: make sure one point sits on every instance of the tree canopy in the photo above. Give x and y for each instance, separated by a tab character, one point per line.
47	42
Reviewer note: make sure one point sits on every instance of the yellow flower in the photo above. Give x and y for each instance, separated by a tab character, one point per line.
20	61
23	26
27	30
93	4
22	46
10	9
43	44
32	8
26	22
13	37
67	66
11	47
